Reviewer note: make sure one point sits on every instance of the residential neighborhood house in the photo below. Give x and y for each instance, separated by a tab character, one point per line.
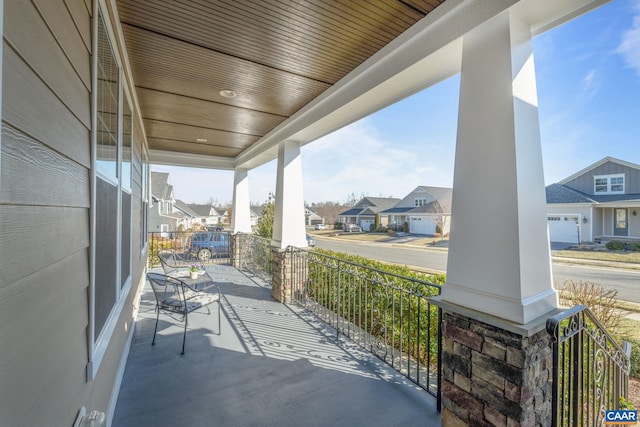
189	217
209	214
311	217
600	202
162	215
426	210
364	212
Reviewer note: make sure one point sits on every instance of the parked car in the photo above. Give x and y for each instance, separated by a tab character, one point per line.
320	227
310	242
213	227
209	244
352	228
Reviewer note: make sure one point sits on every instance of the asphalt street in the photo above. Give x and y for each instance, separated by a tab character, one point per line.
625	282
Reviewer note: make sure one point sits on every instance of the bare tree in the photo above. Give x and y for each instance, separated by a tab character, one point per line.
330	211
353	198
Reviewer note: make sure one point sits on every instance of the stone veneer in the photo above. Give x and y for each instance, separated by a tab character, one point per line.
281	275
289	274
234	250
494	377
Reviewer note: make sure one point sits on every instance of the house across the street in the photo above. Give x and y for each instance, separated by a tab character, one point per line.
364	212
600	202
426	210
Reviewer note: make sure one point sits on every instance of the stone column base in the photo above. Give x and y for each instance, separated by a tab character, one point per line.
494	372
290	274
280	290
234	250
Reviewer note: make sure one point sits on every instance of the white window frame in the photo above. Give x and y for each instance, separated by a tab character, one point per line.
608	179
98	345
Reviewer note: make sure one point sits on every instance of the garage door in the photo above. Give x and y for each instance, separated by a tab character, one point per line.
421	225
365	224
563	228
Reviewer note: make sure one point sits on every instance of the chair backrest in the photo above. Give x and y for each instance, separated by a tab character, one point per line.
168	260
169	292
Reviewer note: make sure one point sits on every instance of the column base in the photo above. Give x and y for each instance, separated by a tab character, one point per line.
494	372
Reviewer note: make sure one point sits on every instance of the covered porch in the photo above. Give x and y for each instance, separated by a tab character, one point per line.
272	364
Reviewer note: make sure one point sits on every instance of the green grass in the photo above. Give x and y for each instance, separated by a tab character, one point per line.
365	237
628	257
629	328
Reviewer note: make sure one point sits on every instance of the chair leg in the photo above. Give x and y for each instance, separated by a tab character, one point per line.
156	328
184	335
219	324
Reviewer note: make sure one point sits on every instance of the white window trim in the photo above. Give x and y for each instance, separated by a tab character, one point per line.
608	178
98	345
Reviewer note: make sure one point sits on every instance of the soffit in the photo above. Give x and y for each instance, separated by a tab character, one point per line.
277	55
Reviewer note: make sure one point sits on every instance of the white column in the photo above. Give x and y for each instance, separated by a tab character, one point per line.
288	222
499	258
240	211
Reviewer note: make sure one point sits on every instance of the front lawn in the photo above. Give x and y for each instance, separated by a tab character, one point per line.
615	256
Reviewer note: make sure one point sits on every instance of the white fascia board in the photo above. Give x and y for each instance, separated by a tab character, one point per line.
173	158
425	54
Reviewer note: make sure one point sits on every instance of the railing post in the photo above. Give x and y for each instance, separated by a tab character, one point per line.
338	299
439	367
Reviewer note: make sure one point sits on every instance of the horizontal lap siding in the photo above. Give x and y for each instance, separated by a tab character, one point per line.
45	197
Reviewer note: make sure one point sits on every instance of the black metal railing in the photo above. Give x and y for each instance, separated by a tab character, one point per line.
590	369
255	255
203	247
388	314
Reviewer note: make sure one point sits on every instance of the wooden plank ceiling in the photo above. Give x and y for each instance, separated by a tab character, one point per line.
276	55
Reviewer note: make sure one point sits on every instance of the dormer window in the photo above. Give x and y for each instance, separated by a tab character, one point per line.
608	184
421	202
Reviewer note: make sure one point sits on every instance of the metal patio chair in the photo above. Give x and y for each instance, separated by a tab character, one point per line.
175	297
172	263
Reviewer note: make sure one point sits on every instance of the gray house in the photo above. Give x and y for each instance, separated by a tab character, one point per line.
425	210
311	217
600	202
162	213
364	212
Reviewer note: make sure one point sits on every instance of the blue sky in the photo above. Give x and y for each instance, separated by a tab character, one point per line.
588	77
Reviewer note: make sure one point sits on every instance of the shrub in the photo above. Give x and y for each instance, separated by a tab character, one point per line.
601	302
337	225
635	247
615	245
372	227
405	227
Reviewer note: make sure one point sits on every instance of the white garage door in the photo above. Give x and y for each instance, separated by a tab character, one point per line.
365	224
420	225
563	228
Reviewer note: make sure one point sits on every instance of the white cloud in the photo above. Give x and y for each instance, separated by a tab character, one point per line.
629	47
590	85
357	160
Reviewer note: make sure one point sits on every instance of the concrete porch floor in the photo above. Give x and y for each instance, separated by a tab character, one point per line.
272	365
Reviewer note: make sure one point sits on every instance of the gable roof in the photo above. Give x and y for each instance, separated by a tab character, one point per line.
160	187
352	211
597	164
179	204
558	193
204	210
377	202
